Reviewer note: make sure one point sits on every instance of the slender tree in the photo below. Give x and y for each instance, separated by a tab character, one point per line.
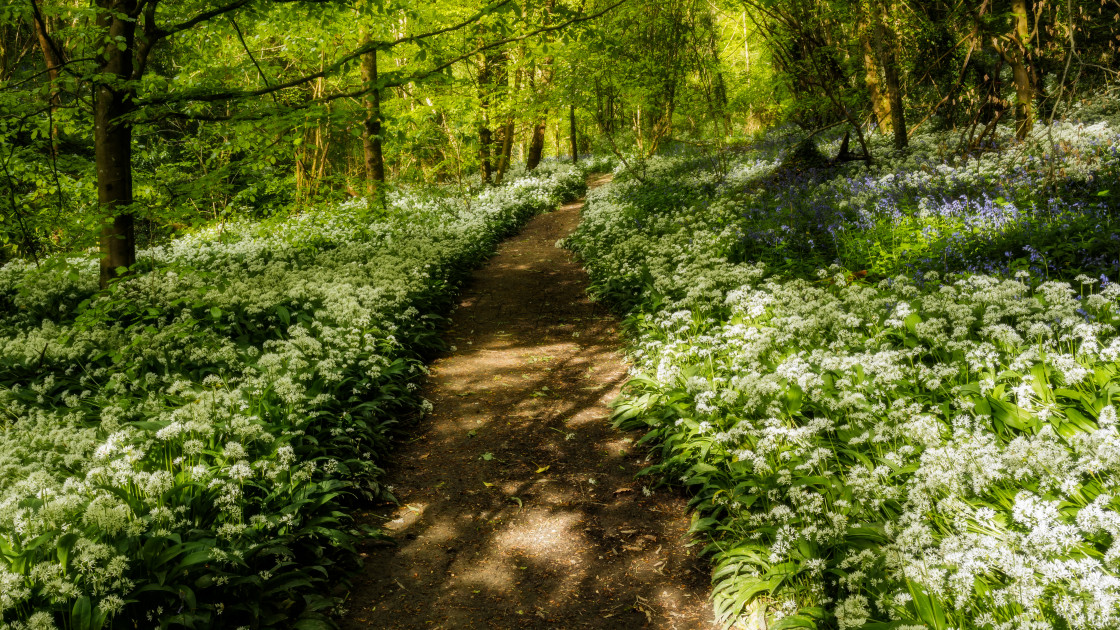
572	132
122	65
53	60
486	90
371	127
887	39
1014	48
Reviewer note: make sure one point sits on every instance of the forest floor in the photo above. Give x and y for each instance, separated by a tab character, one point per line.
519	506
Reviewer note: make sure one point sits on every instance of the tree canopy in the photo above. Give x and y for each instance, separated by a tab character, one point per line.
126	121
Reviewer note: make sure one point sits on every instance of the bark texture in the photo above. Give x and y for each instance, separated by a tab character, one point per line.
371	133
572	132
1016	53
536	147
113	139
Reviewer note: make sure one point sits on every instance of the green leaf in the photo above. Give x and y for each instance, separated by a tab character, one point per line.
81	615
1012	415
64	547
794	621
702	524
927	607
911	322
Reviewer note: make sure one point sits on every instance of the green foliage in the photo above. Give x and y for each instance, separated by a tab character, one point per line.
914	449
185	448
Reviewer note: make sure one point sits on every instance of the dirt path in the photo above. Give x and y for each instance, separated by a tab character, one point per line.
519	506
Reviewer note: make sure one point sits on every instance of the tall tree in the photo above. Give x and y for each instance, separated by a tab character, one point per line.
1015	50
808	40
572	132
487	87
886	38
123	63
536	139
880	104
371	127
53	60
505	155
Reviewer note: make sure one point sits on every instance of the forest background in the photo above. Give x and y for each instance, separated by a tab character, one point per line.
127	121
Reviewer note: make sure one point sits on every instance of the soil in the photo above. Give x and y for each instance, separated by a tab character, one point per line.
519	506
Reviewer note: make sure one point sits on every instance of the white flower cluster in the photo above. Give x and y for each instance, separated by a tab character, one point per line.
934	454
158	436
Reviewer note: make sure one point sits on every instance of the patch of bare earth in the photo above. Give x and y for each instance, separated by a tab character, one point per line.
519	506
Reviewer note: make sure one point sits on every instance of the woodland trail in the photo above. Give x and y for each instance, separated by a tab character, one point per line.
518	502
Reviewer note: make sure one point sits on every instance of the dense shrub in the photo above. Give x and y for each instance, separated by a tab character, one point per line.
178	450
927	438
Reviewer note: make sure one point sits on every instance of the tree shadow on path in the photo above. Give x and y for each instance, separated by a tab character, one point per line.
519	503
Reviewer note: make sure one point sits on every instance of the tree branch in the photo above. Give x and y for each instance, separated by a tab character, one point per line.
241	38
229	95
405	79
161	33
42	24
62	66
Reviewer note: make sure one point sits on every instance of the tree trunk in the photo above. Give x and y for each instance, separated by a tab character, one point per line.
52	59
888	106
507	131
894	86
5	52
1024	92
719	86
638	128
722	101
536	141
572	129
371	133
536	147
506	152
484	140
485	136
1024	98
880	105
112	138
600	112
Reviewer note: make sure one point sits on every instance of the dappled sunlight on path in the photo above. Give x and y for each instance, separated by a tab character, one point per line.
519	506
